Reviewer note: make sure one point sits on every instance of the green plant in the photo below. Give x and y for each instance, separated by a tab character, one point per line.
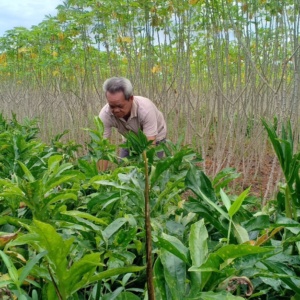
18	143
16	277
288	197
63	274
43	195
80	234
99	147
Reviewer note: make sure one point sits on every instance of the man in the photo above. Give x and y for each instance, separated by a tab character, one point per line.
127	112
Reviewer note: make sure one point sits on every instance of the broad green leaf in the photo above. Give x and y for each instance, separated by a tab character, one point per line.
198	182
249	261
159	280
60	197
113	227
165	164
175	274
113	295
53	163
138	193
11	188
24	239
292	239
174	246
99	125
62	168
78	276
240	233
257	223
12	271
224	177
225	199
76	213
89	169
57	181
198	251
127	296
206	212
235	206
46	238
26	171
172	189
34	295
216	296
212	264
278	269
234	251
198	243
30	264
114	272
102	200
274	140
288	223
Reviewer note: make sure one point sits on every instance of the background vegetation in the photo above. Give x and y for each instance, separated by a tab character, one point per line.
214	67
150	228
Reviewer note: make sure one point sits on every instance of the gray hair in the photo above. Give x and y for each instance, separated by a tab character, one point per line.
118	84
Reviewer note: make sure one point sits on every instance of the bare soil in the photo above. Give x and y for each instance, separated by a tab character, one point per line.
263	180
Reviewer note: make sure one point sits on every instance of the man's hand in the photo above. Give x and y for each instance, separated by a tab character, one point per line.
102	165
152	138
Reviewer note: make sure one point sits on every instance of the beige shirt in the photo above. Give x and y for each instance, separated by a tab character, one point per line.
144	115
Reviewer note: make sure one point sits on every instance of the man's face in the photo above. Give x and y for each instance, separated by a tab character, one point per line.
119	106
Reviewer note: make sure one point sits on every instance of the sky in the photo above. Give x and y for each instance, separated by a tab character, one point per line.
25	13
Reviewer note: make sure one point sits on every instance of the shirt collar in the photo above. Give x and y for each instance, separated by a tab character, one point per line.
134	109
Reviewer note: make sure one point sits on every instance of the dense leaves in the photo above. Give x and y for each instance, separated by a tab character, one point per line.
69	232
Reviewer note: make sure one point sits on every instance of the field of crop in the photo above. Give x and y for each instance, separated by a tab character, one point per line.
145	229
217	217
213	68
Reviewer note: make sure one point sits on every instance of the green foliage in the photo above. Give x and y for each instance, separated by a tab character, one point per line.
43	195
109	35
16	279
290	164
69	232
99	147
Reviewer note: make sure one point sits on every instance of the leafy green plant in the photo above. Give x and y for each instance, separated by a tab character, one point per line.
208	207
16	277
99	147
63	276
43	195
18	143
288	197
68	149
232	209
81	234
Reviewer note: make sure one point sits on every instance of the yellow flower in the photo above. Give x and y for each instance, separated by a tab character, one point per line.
156	69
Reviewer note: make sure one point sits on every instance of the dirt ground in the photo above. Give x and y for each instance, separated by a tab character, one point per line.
263	182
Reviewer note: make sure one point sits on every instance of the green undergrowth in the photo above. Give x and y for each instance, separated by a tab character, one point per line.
68	231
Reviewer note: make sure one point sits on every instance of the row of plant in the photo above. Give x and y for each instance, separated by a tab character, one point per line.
148	228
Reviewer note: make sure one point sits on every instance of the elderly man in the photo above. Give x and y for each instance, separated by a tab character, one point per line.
127	112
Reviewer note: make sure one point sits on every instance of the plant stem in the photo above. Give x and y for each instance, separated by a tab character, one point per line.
150	284
288	200
55	285
229	230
